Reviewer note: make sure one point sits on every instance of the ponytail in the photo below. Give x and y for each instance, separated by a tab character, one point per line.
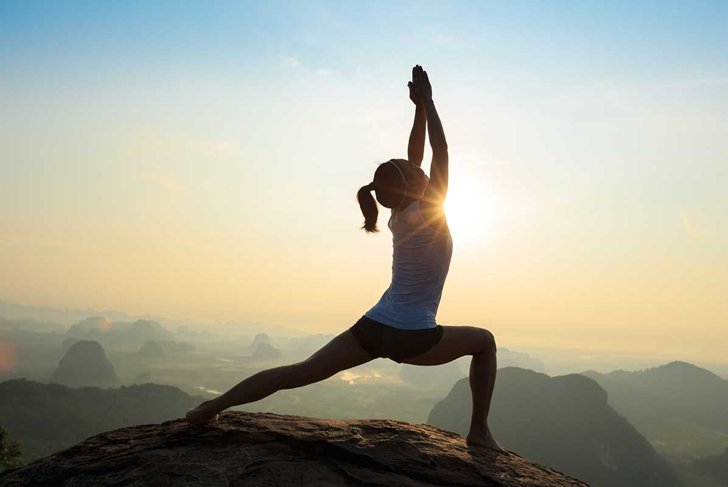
368	207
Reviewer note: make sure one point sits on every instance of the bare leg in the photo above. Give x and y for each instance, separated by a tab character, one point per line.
456	342
343	352
483	368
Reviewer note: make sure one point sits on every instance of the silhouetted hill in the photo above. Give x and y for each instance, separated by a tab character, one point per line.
29	325
512	358
260	338
118	334
68	343
682	409
266	351
563	422
27	333
713	468
50	417
268	450
176	347
85	364
60	316
151	350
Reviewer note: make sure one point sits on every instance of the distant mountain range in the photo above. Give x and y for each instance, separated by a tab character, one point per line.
564	422
61	316
185	328
682	409
512	358
120	335
50	417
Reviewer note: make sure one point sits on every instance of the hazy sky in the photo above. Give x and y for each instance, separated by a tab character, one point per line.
201	160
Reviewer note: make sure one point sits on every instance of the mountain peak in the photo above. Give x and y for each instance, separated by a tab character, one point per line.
266	449
686	370
85	364
680	364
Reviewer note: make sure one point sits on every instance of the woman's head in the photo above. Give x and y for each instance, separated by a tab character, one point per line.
396	183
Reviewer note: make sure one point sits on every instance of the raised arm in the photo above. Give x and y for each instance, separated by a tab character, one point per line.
416	146
437	189
440	159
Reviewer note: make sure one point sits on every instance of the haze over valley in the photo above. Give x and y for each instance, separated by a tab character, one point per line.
132	370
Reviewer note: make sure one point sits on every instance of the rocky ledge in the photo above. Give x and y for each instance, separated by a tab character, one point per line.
274	450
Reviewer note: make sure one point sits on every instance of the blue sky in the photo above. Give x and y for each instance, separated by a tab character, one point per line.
549	37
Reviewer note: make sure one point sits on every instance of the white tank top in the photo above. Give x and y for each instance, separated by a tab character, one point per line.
420	262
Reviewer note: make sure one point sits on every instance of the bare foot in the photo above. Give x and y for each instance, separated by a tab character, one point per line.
485	440
202	414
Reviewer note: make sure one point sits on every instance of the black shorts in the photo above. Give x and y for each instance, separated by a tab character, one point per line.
380	340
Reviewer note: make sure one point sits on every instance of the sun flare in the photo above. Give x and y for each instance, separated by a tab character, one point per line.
470	212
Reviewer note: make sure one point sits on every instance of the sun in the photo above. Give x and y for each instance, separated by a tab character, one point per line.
470	212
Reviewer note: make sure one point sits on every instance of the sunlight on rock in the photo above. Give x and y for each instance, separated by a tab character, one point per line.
8	356
350	377
209	391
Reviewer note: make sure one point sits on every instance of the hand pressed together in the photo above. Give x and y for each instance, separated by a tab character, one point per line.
420	90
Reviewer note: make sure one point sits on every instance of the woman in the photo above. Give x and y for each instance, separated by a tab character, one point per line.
401	326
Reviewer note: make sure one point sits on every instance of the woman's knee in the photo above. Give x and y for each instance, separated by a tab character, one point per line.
488	341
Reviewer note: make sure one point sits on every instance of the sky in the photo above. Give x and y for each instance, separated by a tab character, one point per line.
200	160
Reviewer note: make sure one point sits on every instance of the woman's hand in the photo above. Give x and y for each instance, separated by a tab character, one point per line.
416	145
420	88
412	94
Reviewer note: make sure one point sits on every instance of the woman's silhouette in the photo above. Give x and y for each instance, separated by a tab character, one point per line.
401	326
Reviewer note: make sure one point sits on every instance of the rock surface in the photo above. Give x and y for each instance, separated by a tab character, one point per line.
273	450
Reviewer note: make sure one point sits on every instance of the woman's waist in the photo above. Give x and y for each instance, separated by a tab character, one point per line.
402	318
412	286
418	303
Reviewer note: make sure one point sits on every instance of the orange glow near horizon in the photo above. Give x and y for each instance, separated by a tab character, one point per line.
8	356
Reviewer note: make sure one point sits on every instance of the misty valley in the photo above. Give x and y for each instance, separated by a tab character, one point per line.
59	384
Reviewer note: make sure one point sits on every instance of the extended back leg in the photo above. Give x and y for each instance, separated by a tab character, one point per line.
341	353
